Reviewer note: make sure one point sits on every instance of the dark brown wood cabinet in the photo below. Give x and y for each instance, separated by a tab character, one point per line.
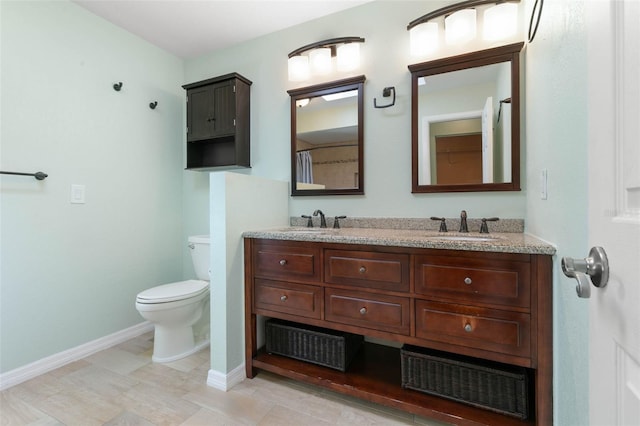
488	305
218	123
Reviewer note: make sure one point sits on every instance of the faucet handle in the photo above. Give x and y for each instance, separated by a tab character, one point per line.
443	223
309	221
484	228
336	223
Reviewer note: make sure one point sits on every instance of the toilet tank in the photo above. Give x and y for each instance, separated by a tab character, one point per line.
199	248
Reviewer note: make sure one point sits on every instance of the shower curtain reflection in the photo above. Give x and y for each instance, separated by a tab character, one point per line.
304	167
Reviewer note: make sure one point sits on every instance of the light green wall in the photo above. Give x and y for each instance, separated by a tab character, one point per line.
70	272
231	215
556	129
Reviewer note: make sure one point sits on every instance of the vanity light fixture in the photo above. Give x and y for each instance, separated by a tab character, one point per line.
498	20
317	58
460	26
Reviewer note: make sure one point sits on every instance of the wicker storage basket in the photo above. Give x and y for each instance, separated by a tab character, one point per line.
321	346
494	386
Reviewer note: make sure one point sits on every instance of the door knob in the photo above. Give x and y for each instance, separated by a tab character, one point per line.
594	268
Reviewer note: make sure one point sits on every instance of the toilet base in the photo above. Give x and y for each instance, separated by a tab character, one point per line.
173	343
196	348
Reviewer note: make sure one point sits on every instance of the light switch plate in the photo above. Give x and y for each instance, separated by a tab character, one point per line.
77	194
543	184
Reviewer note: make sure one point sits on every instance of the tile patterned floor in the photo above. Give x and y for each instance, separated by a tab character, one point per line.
121	386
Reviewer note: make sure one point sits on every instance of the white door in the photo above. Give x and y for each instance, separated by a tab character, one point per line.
614	209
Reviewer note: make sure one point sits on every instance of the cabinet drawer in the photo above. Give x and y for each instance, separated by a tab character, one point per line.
289	298
385	313
479	281
287	261
387	271
488	329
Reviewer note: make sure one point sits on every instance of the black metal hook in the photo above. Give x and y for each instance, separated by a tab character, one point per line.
386	92
37	175
117	86
153	105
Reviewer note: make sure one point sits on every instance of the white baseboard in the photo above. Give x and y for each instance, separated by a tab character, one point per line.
44	365
224	382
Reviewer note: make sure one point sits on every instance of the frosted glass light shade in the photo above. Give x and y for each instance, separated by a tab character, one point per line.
348	56
460	26
298	68
424	39
320	60
500	21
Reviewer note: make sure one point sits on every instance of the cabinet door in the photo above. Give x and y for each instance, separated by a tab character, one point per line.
211	111
199	113
224	109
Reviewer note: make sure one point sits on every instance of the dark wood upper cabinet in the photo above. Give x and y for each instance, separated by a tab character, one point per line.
218	123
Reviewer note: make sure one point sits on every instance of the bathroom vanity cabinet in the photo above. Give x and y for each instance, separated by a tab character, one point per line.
218	122
488	305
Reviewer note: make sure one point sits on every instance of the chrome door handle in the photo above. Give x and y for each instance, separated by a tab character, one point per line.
594	268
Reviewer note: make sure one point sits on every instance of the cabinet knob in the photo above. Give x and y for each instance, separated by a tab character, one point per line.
363	311
468	328
468	281
283	262
283	298
362	270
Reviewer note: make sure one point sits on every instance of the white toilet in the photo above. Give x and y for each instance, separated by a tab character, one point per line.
180	311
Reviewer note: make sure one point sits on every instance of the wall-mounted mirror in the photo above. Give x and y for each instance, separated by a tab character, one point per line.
465	122
326	138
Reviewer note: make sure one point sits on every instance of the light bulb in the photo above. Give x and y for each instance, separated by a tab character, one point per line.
423	38
348	56
500	21
320	60
298	68
460	26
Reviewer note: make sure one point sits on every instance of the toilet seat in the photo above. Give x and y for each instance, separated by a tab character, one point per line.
173	292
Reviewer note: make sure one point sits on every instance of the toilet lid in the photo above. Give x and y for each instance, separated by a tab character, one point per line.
173	292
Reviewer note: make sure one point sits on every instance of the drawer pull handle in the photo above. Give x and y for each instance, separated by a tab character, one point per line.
362	270
283	298
468	328
467	281
363	311
283	262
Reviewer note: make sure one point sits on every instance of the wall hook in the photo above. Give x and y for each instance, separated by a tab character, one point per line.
386	92
153	105
117	86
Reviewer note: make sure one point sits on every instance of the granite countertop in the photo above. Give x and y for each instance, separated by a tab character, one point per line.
504	242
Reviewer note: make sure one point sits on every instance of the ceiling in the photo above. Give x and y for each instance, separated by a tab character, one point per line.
191	28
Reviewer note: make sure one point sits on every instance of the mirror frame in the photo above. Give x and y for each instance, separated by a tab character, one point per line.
508	53
353	83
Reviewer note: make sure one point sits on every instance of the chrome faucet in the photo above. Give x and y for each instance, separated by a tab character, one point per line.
463	221
323	221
